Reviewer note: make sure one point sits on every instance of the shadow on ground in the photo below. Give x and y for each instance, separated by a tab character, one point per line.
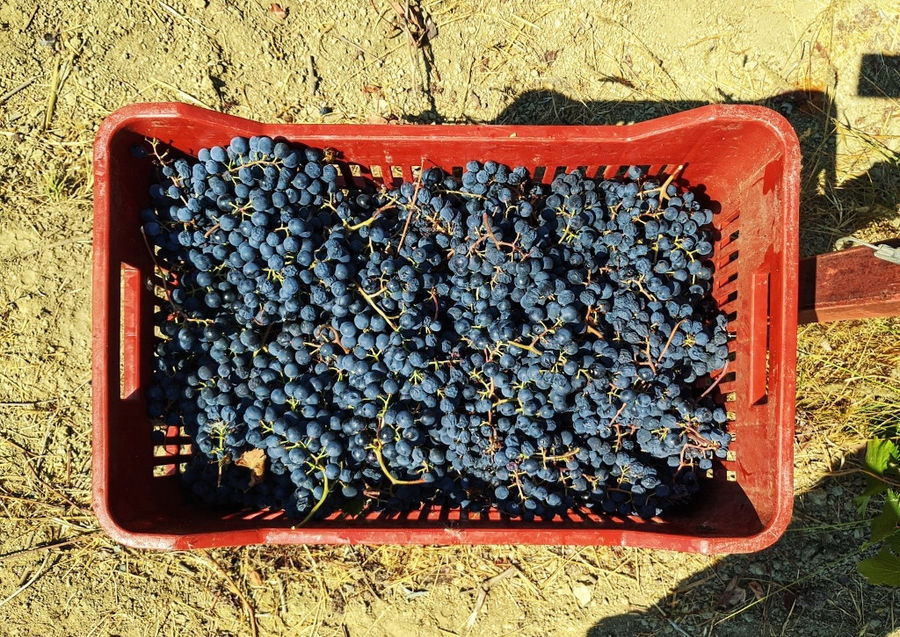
805	584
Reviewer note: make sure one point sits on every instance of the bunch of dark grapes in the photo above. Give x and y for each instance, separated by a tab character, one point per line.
485	342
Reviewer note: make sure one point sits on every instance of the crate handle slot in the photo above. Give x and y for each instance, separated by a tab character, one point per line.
758	378
130	343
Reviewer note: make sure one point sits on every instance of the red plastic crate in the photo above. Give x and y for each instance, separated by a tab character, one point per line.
746	157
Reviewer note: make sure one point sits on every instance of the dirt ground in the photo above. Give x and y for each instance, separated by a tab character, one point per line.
65	65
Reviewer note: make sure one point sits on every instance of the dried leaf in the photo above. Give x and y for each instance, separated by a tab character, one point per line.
224	460
418	27
788	599
255	460
732	595
757	590
430	29
254	577
278	11
372	88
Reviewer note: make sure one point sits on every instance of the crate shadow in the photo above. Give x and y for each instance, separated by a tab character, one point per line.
798	590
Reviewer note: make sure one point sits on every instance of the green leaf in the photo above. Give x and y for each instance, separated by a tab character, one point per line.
892	541
886	523
878	455
883	569
874	486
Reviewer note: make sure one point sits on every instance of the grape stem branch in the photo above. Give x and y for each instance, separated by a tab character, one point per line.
375	307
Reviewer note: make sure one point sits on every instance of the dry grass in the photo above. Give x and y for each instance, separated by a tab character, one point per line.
532	62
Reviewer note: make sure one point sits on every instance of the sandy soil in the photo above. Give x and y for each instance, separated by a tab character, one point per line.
65	65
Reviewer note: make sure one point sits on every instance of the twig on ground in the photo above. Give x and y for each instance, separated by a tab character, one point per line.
47	547
245	601
182	94
483	591
675	626
21	87
52	95
28	456
30	581
48	246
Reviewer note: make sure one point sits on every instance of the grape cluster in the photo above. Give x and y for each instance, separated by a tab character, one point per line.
489	341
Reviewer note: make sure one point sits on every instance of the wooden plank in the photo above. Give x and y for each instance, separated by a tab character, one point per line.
849	284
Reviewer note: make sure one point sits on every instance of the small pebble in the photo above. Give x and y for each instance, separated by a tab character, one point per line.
583	594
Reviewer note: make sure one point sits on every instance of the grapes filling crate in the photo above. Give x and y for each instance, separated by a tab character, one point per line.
743	160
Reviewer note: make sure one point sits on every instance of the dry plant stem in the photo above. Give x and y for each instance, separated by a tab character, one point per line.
650	357
48	246
529	348
616	416
706	442
21	87
28	456
256	162
47	547
17	498
666	184
52	96
487	226
37	574
865	472
248	607
669	341
785	587
483	591
490	233
413	208
716	381
165	271
376	449
375	215
32	404
589	320
675	626
437	306
337	336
